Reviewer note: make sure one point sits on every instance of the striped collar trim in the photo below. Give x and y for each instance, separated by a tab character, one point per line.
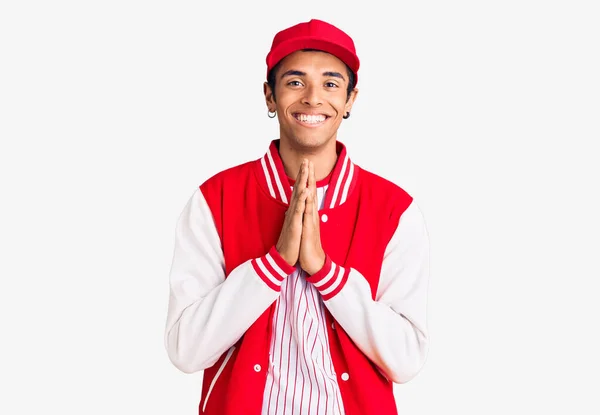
273	179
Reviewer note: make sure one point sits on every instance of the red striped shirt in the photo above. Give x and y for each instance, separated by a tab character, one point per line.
301	378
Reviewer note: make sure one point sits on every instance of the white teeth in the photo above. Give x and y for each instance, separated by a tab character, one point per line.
310	119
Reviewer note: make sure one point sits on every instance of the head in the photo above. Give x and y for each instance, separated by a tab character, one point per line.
311	82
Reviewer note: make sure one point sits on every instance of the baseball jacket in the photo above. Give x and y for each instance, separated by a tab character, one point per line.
226	277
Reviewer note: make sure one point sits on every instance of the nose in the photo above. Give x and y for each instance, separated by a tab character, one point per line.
312	96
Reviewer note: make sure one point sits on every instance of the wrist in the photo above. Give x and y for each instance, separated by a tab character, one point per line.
329	280
282	254
317	264
280	260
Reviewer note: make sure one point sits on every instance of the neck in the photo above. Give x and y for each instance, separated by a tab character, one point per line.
323	157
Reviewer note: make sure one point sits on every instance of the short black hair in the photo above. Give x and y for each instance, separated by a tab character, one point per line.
273	73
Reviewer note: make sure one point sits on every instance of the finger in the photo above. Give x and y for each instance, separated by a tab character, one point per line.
295	187
300	205
308	220
303	175
301	179
316	211
310	201
302	165
312	185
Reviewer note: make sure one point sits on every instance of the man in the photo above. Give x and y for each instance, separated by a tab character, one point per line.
299	280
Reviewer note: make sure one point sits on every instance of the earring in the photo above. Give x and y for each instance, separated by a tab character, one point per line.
346	116
269	113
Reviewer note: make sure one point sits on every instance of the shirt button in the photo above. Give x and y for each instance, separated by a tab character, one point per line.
345	376
257	368
324	217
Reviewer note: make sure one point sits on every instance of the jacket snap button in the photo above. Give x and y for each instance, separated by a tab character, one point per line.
324	217
345	376
257	368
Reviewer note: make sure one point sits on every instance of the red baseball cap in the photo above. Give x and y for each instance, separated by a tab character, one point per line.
315	34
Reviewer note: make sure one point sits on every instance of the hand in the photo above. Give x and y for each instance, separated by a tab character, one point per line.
312	257
288	244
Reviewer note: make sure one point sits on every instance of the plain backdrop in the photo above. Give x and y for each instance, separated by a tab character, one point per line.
113	112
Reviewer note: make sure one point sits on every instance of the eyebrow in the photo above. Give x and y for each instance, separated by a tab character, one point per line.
294	72
334	74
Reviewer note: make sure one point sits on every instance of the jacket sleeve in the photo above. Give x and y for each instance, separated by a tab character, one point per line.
392	329
207	312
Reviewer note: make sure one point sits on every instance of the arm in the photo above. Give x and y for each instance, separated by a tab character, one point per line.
207	312
391	331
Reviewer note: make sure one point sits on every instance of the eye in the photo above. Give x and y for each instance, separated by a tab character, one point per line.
294	83
331	85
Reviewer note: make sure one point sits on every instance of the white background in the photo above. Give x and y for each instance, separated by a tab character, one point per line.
112	112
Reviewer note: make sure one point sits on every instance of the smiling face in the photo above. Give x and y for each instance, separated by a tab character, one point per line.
311	97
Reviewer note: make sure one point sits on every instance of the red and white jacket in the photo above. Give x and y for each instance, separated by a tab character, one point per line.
226	278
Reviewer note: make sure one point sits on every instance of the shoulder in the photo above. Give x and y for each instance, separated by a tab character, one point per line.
220	186
233	176
383	191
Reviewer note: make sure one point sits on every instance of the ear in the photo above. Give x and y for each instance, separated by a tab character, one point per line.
269	97
351	99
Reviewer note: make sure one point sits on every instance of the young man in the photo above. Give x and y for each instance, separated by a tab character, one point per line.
299	280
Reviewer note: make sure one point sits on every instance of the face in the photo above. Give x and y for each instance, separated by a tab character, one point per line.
311	98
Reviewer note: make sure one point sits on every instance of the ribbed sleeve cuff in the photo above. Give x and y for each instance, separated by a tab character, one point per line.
330	279
272	269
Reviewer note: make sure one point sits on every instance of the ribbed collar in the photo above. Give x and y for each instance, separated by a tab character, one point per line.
271	176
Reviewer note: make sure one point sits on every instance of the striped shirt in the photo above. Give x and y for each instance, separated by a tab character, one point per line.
301	378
